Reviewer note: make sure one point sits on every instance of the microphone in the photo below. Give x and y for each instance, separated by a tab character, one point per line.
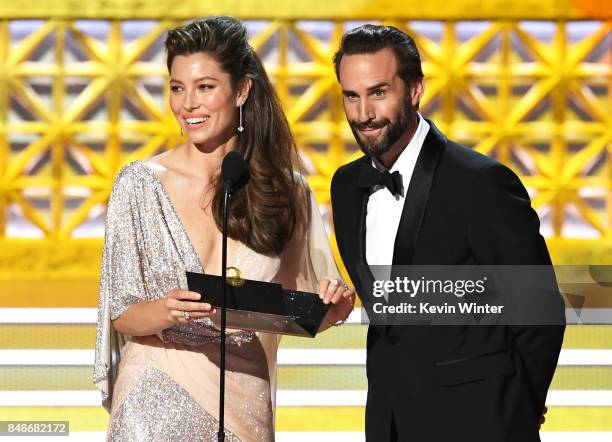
235	171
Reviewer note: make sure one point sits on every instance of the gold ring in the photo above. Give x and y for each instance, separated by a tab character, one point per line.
186	315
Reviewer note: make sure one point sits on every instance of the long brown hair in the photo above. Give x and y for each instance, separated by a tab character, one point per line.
265	214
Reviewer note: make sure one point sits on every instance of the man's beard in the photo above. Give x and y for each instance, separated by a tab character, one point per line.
404	120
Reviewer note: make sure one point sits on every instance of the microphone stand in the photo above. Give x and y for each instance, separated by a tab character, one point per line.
226	199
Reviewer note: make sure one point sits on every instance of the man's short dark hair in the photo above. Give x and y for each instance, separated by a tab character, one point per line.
368	39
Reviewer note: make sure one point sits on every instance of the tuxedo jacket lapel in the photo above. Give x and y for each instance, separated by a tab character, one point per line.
417	196
415	203
363	269
350	202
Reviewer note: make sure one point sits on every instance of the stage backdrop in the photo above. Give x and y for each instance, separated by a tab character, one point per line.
83	91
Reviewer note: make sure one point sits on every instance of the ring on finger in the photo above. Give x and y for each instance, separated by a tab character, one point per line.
186	315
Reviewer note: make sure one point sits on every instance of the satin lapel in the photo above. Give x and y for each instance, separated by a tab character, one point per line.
361	202
352	229
364	269
417	196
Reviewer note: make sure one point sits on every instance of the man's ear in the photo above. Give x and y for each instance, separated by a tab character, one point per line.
416	92
243	90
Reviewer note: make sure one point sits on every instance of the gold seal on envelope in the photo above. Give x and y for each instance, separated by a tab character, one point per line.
234	277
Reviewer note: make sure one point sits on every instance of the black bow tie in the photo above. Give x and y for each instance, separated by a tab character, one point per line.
373	177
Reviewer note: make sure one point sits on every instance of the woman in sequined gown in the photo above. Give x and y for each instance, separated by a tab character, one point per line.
163	220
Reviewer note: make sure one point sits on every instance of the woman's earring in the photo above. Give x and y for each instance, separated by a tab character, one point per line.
240	126
181	131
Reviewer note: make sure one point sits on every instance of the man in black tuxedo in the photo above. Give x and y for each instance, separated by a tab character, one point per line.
418	198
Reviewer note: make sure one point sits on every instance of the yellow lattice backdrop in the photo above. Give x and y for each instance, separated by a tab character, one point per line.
78	99
83	90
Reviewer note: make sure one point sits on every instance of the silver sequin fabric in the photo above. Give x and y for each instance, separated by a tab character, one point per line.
159	410
146	254
150	252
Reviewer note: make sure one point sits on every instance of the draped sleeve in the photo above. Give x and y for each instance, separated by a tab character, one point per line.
308	256
319	259
121	278
306	259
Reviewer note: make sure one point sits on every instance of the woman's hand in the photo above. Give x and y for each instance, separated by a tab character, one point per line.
180	306
342	298
150	317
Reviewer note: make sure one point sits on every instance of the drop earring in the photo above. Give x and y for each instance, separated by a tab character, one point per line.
181	131
240	126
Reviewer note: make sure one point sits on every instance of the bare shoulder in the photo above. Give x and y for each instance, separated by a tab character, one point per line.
173	165
168	165
161	162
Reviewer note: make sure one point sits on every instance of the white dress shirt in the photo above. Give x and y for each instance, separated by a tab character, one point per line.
385	210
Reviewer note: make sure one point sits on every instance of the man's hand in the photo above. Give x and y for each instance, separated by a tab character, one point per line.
543	418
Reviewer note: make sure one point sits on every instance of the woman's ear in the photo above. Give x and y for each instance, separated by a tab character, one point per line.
243	90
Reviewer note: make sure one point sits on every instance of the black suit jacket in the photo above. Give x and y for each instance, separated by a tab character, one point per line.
464	383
